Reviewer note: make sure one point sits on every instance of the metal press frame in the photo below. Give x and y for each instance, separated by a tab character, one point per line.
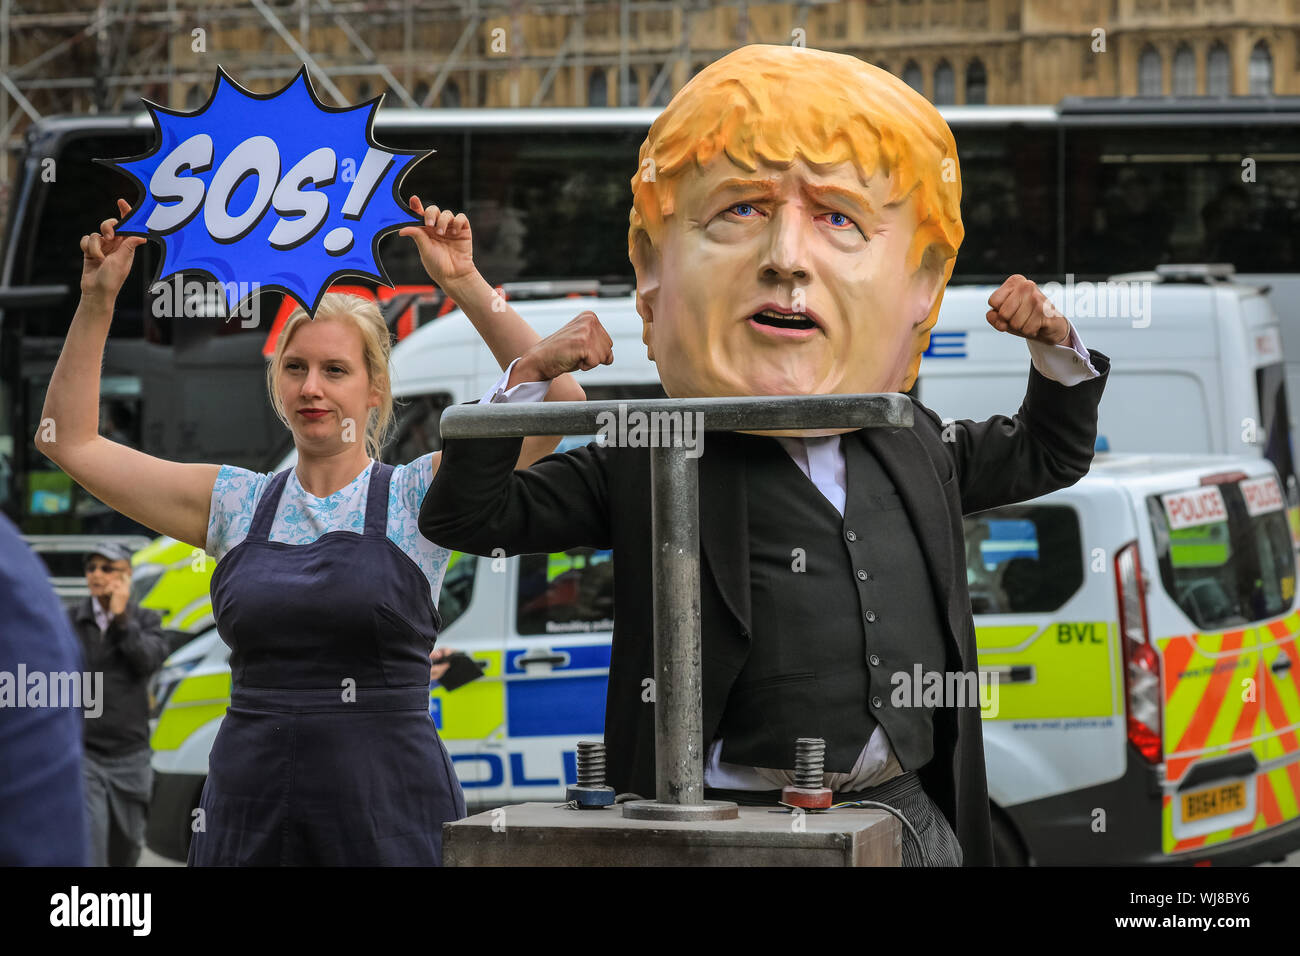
674	503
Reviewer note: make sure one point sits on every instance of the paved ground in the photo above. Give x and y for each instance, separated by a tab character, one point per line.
150	858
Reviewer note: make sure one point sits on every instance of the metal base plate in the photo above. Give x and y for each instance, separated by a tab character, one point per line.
686	812
543	834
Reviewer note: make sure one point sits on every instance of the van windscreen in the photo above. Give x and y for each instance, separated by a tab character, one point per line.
1225	551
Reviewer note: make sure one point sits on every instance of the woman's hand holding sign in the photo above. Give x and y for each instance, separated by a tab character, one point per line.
446	247
107	260
447	252
173	498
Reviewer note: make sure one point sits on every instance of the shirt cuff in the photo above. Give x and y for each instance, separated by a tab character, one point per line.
1067	363
523	392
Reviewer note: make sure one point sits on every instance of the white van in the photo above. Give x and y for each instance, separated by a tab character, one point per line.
1075	686
1198	365
1143	626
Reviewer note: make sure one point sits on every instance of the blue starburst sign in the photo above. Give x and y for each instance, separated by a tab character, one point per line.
267	192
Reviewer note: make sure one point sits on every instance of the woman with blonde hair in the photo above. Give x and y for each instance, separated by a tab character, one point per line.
324	589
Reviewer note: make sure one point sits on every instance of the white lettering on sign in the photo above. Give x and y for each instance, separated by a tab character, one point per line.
256	156
181	197
1262	495
1187	509
311	206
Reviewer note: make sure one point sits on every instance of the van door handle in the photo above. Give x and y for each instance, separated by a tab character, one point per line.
1281	665
543	657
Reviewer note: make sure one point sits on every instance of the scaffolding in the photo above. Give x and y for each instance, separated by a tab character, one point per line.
108	54
103	56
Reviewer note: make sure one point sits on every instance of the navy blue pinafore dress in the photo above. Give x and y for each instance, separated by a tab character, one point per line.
327	755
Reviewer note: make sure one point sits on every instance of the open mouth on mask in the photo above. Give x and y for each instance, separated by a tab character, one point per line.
783	323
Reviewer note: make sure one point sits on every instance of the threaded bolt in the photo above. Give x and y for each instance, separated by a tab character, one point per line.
809	762
590	792
591	763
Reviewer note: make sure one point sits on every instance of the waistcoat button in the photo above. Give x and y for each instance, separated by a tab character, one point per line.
862	575
871	617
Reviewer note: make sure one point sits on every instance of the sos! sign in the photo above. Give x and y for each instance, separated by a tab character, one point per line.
269	192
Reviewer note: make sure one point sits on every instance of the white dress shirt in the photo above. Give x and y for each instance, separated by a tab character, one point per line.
102	617
822	461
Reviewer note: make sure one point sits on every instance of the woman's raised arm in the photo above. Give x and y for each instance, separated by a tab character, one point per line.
446	250
169	497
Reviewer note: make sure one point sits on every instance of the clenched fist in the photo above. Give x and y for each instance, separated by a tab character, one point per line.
1021	308
582	344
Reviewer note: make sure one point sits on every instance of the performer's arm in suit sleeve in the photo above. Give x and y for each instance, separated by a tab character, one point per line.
478	502
1048	444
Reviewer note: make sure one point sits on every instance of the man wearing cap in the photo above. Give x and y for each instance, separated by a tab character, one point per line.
125	643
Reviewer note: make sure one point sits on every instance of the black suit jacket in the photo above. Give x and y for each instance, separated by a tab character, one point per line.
600	497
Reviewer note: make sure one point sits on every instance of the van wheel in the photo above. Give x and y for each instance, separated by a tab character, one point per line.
168	831
1008	850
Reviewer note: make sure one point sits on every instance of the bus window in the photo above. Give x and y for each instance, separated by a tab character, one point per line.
1140	195
47	249
54	503
1023	559
553	206
439	181
1008	202
542	205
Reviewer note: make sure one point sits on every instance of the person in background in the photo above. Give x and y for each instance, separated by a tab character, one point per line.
42	813
125	643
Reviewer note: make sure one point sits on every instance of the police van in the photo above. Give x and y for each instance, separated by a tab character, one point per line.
1201	364
1112	734
1142	628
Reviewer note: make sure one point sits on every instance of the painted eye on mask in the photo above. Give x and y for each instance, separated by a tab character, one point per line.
841	223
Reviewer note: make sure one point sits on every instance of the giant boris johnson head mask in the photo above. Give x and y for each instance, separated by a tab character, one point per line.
795	218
